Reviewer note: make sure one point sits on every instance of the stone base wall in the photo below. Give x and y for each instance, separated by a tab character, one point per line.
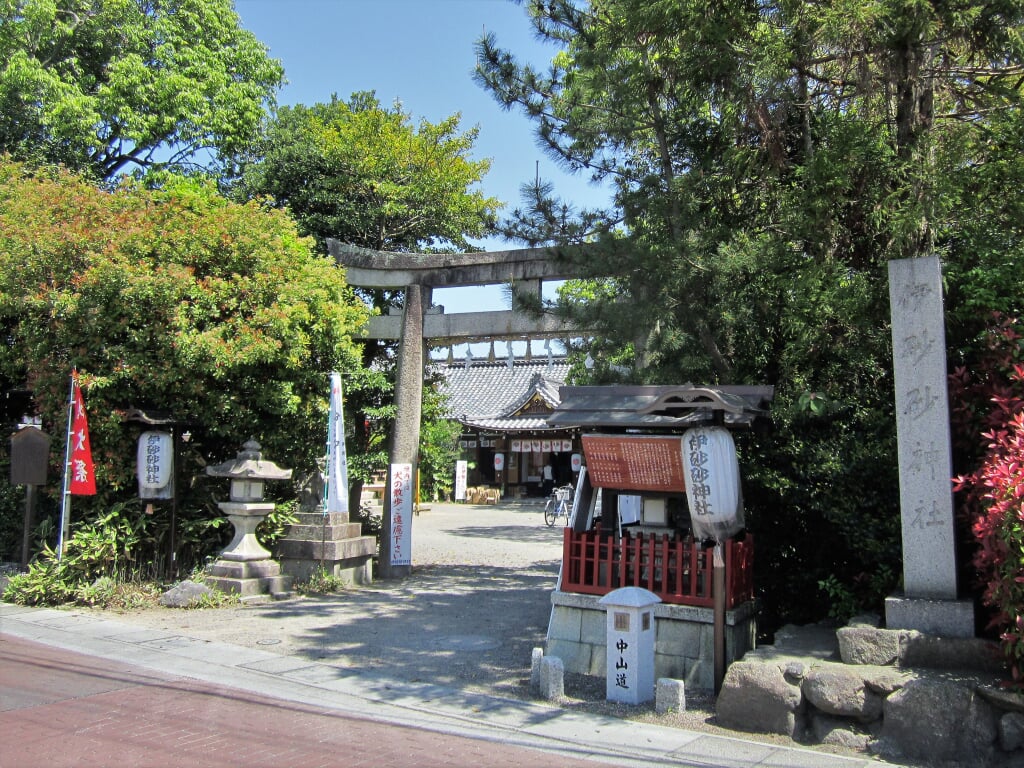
684	638
328	543
896	693
355	572
248	578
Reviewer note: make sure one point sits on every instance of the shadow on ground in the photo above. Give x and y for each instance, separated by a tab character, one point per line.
450	625
541	534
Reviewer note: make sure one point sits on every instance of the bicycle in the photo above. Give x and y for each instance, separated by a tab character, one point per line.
557	505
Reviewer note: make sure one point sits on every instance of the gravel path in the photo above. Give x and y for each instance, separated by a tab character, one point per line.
476	604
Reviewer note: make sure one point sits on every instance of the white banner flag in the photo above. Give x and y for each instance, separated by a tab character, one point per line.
336	490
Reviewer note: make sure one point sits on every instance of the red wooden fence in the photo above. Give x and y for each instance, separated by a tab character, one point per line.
676	570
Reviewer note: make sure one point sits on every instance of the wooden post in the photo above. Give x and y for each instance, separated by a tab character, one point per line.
718	593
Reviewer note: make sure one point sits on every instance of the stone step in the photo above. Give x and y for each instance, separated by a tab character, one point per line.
279	587
345	549
319	518
321	533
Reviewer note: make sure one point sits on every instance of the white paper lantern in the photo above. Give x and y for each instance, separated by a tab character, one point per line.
499	462
712	474
154	463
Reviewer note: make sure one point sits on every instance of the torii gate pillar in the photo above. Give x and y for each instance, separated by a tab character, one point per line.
408	409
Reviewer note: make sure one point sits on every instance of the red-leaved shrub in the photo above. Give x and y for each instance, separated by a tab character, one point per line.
988	412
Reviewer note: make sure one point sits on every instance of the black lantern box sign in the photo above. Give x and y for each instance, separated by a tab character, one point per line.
30	456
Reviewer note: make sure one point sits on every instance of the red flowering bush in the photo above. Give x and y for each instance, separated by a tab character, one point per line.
989	405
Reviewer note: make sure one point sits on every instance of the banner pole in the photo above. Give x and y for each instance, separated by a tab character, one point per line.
65	502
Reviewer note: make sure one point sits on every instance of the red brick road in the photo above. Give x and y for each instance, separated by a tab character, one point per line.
59	708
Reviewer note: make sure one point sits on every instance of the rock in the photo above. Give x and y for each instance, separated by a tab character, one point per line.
938	720
884	680
866	620
185	594
868	645
756	697
841	691
795	672
1002	698
1011	731
837	733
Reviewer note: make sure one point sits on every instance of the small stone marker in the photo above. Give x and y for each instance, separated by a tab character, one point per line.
552	678
670	696
925	459
535	662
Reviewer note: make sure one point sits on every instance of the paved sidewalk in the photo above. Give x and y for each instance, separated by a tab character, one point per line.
283	688
410	670
61	708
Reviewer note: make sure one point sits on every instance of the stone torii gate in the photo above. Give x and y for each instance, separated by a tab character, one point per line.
416	275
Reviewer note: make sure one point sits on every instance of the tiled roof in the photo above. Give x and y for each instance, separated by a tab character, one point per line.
486	394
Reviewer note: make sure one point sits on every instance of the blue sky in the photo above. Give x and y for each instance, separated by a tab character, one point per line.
421	53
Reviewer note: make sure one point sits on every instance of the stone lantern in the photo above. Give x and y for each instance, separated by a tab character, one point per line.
245	567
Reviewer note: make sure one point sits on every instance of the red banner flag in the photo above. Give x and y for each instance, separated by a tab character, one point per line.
83	482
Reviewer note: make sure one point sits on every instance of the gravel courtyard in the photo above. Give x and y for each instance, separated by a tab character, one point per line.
477	603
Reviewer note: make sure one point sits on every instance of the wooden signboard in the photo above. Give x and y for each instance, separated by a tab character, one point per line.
635	462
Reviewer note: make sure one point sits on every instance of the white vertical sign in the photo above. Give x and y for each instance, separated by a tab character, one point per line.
461	471
401	514
154	465
712	482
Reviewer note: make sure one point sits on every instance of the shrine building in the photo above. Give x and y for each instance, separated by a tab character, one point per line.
503	407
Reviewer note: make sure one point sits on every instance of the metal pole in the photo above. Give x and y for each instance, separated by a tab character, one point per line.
30	517
65	503
718	593
175	463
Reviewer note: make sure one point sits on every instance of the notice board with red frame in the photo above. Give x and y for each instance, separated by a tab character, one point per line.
635	462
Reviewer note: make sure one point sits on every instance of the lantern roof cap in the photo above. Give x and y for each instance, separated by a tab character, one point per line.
630	597
250	465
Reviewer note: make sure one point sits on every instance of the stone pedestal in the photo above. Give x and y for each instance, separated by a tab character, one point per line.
330	543
942	618
245	567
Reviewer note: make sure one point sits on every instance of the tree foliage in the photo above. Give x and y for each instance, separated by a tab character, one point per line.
769	158
368	176
175	300
107	86
365	175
